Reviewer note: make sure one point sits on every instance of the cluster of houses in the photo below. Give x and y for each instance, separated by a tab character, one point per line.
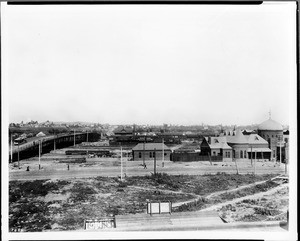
270	142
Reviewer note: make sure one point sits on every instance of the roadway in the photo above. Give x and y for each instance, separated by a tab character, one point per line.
111	167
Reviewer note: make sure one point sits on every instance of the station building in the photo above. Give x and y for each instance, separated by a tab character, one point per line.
236	145
149	151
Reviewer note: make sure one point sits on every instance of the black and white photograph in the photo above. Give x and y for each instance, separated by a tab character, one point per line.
149	120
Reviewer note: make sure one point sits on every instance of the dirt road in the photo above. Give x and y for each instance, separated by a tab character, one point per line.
111	167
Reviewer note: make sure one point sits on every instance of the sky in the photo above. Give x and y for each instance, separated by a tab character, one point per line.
151	64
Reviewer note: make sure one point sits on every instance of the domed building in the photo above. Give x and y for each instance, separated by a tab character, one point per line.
272	132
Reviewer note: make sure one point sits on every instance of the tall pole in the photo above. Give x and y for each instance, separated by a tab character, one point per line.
39	155
144	151
285	165
251	157
11	152
163	152
19	155
255	164
280	151
121	165
154	161
74	137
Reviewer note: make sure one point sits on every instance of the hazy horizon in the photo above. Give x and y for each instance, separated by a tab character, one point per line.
155	64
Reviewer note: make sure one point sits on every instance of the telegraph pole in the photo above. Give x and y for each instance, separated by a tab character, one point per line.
39	155
121	165
154	161
251	157
280	151
163	152
19	155
11	151
255	164
144	151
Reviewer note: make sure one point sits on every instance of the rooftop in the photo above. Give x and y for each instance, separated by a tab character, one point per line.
150	147
270	125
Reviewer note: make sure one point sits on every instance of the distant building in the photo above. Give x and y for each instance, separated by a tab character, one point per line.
149	151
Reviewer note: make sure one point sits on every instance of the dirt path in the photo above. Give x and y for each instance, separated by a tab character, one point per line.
254	196
196	197
237	189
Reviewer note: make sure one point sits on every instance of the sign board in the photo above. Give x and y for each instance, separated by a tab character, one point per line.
159	207
102	223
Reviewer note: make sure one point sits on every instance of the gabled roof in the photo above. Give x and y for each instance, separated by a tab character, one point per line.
255	139
239	138
124	130
219	142
150	147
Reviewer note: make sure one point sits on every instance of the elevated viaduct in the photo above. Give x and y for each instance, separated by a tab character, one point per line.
31	149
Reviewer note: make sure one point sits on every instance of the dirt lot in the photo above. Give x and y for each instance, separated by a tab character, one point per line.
265	207
42	205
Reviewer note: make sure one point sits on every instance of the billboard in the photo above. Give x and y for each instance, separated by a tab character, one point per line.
159	207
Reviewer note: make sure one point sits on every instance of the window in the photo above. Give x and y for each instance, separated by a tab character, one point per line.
241	154
214	153
165	154
154	154
150	153
229	154
140	155
286	140
245	154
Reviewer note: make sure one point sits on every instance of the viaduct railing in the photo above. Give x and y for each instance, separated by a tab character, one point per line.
48	144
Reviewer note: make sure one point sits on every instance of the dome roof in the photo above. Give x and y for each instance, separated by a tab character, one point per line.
270	125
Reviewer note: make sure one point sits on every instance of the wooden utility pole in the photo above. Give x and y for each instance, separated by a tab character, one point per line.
236	165
144	151
209	158
154	161
280	152
19	155
251	157
39	155
11	150
255	164
74	137
121	165
163	152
